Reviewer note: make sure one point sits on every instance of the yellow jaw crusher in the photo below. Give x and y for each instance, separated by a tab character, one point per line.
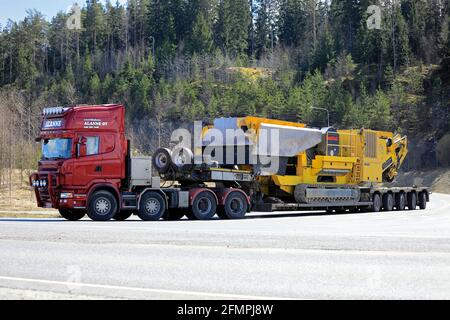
323	167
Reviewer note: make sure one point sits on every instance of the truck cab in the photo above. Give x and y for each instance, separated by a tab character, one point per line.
84	149
87	168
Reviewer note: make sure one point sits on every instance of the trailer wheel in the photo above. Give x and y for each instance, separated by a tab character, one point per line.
152	207
102	206
72	215
377	203
162	159
204	206
123	215
412	201
388	202
400	201
235	207
183	158
422	201
174	214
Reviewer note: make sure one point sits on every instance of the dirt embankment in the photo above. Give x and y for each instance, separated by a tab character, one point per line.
438	179
15	194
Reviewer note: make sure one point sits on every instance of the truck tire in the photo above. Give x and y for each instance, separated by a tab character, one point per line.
174	214
400	201
72	215
123	215
412	201
183	158
162	160
422	201
102	206
388	202
377	203
152	207
235	207
204	206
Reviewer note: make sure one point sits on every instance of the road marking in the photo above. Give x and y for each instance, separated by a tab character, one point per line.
149	290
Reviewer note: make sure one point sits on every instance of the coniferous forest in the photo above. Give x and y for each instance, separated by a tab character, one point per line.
174	61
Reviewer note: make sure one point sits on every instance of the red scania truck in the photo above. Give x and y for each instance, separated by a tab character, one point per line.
87	168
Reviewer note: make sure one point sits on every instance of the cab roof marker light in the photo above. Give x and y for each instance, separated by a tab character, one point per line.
54	111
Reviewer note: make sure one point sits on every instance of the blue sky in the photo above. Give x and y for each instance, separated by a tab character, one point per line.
16	9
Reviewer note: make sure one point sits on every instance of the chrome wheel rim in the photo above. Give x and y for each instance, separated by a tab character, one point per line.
152	206
102	206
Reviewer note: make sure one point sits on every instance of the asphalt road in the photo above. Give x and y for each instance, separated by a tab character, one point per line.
393	255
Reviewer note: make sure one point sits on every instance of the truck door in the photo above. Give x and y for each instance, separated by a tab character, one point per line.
88	165
111	157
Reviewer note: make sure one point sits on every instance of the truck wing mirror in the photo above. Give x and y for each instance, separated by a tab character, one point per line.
81	147
82	141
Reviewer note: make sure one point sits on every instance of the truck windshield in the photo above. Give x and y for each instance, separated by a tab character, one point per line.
56	149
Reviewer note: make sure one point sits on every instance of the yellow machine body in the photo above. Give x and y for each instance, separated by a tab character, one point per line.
344	157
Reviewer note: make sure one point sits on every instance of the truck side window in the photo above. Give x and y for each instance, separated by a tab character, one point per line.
92	146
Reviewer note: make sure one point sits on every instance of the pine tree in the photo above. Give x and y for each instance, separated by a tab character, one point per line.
201	39
446	56
324	52
94	89
414	13
293	21
264	27
346	19
94	24
398	49
161	27
233	26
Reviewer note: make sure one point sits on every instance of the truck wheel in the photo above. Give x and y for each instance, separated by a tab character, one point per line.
204	206
400	201
102	206
377	203
412	201
388	202
183	158
152	207
235	207
174	214
422	201
72	215
162	159
123	215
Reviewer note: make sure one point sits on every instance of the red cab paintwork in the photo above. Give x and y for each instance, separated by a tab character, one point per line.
104	165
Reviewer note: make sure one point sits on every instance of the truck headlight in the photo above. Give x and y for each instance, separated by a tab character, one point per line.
66	195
